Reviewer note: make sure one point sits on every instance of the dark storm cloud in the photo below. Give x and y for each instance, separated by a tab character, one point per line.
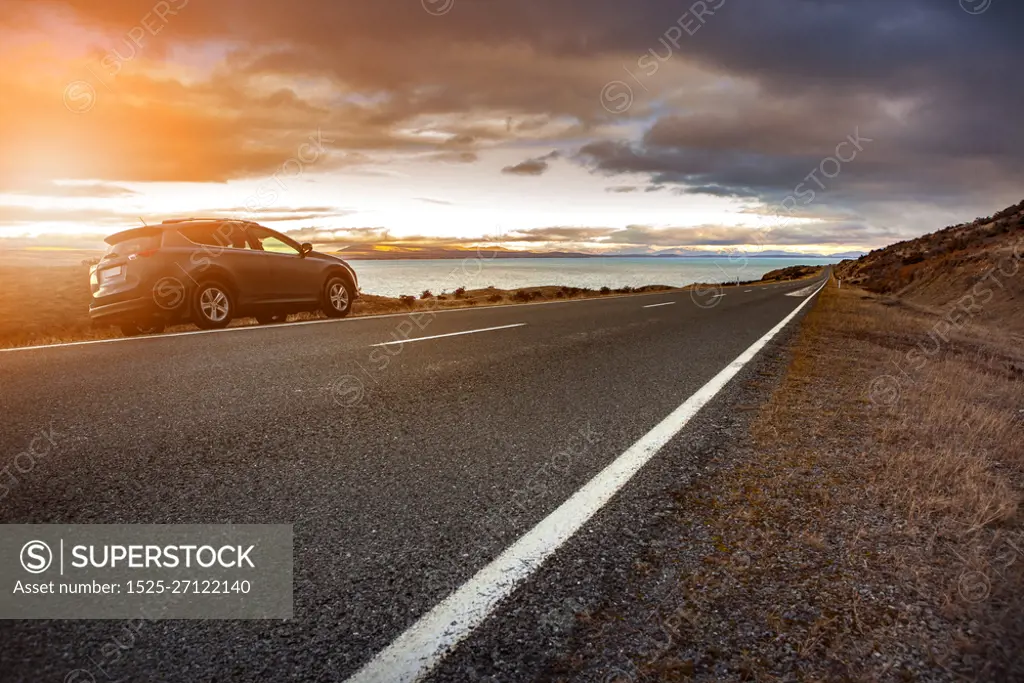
932	84
746	103
727	172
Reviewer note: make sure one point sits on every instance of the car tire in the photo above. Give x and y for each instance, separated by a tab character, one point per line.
338	296
271	319
134	328
213	305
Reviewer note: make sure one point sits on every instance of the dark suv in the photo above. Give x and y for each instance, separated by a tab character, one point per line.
209	271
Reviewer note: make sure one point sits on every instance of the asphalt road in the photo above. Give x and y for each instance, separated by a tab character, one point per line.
404	467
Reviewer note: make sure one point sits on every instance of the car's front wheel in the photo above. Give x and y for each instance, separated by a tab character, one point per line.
338	297
212	306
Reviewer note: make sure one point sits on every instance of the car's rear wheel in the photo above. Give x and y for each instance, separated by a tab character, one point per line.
134	328
270	319
338	297
212	306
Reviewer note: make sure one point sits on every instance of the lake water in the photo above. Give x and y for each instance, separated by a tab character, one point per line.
394	278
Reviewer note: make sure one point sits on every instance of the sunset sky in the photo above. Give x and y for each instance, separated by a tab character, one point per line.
601	125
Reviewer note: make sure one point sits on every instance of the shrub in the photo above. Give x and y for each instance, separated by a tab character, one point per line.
460	292
560	295
408	300
522	296
494	298
442	297
426	294
606	290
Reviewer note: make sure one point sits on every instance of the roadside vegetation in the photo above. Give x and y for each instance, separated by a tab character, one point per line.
791	273
877	534
865	529
962	267
869	527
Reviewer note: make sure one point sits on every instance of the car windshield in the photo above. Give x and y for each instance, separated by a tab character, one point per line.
266	240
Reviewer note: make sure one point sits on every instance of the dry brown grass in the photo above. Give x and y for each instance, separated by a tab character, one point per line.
920	445
948	413
876	532
947	446
45	305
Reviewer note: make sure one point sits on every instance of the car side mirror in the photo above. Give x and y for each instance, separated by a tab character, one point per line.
305	248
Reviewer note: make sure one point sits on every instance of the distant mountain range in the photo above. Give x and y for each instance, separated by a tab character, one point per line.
392	252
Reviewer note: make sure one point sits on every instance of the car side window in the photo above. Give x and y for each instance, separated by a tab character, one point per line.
265	240
223	235
200	233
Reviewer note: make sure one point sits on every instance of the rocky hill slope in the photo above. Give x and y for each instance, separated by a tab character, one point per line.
973	267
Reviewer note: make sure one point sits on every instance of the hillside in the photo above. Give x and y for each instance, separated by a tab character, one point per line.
944	269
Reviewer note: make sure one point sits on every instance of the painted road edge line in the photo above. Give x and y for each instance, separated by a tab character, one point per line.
450	334
806	291
424	644
668	303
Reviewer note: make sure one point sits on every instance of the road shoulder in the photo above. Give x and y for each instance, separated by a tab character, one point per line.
804	528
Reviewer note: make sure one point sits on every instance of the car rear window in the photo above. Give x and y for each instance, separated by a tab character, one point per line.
132	242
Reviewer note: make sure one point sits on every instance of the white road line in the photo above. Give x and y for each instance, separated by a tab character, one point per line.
715	296
747	290
417	651
450	334
669	303
806	291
